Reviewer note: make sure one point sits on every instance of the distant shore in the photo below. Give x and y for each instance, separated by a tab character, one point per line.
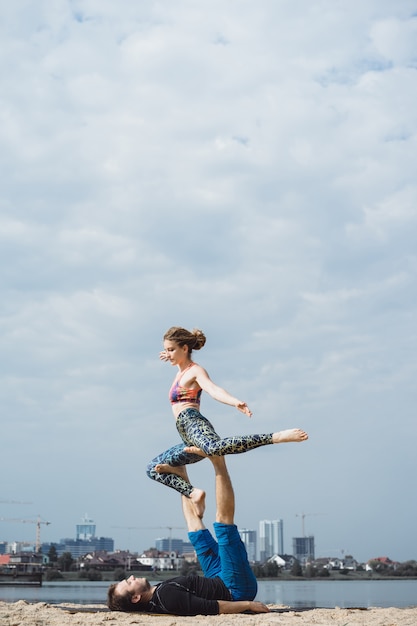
27	614
334	575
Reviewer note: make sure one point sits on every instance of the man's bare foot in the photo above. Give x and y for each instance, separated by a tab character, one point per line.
198	498
165	468
292	434
195	450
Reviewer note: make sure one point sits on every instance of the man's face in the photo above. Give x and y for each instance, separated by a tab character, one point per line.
134	586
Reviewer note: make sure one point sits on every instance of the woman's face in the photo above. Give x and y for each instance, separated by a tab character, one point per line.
176	354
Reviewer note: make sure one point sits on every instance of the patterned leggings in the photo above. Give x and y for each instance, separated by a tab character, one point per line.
196	430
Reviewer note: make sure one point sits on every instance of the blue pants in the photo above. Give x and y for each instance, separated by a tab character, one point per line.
227	558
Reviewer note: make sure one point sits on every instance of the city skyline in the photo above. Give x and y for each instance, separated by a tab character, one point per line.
271	531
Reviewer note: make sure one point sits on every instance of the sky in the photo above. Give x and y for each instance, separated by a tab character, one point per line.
244	168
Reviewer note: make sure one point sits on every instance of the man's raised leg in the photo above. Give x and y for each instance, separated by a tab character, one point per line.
236	571
201	538
225	495
192	519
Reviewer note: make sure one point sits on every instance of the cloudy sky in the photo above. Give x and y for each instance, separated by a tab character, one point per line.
247	168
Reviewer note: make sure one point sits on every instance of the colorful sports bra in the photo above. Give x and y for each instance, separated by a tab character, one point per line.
184	394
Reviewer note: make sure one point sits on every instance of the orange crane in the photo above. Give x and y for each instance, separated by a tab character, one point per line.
38	523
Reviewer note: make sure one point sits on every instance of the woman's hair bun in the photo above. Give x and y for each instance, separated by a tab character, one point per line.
200	338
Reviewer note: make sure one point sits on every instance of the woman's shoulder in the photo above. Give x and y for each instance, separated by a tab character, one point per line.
199	370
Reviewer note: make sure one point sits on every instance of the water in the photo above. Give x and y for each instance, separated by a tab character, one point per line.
297	594
332	593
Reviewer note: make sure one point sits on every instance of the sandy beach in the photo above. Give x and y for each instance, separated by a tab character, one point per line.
23	613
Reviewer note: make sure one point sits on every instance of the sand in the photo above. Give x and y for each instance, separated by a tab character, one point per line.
23	613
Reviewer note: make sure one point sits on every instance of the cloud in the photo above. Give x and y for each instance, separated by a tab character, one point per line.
394	39
247	169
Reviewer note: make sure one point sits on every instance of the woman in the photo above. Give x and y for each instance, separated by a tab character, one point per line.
198	434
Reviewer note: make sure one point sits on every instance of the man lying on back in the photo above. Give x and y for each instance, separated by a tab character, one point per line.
228	585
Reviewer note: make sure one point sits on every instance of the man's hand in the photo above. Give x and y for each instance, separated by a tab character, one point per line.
240	606
258	607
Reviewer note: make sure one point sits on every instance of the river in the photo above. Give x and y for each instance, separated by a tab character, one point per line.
297	593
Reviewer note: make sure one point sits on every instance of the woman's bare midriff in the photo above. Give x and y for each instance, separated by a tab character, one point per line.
181	406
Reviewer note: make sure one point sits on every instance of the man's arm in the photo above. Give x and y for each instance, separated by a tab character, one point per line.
240	606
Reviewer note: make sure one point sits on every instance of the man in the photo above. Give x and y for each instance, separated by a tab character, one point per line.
228	585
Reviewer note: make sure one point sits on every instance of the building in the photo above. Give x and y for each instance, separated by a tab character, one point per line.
249	539
303	549
271	538
121	559
161	561
79	547
169	544
13	547
86	530
85	542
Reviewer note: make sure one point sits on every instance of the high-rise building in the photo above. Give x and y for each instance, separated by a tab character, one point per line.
79	547
271	538
303	548
85	541
86	530
170	544
249	539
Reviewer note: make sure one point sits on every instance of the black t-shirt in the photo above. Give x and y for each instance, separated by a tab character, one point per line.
188	595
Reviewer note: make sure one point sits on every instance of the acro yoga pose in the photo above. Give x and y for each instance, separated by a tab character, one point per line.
228	584
198	434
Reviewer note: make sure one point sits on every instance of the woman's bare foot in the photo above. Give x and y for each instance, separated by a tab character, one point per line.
165	468
195	450
198	498
292	434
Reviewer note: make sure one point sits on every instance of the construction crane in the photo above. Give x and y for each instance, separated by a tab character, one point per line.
170	528
170	534
303	516
38	523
